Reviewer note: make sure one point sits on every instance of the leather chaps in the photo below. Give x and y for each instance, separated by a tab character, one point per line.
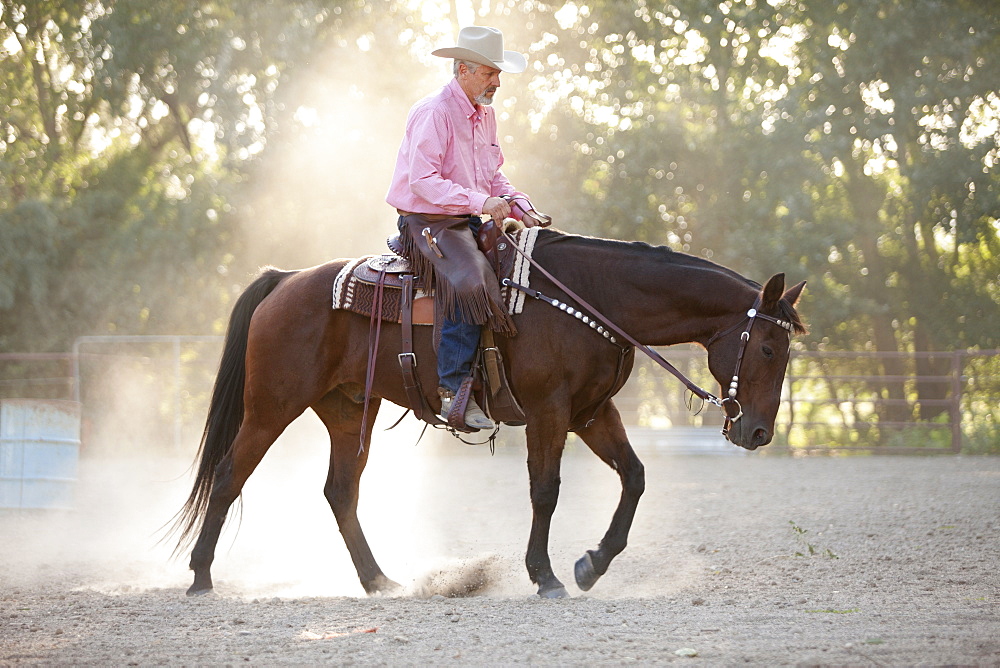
445	254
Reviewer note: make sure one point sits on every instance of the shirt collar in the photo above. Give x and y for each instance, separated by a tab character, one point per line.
465	104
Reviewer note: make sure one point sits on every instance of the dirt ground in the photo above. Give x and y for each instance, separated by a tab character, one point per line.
733	559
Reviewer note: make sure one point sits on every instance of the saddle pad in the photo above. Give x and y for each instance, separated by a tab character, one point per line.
513	299
352	292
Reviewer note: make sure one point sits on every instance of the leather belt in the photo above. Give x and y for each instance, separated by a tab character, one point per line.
434	217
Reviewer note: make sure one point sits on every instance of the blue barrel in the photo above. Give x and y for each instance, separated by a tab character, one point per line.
39	453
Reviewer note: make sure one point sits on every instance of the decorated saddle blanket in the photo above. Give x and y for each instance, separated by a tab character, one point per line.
355	287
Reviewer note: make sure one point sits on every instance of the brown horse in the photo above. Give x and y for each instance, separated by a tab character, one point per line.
287	350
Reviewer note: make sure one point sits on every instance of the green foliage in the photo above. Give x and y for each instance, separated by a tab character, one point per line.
852	144
810	549
126	134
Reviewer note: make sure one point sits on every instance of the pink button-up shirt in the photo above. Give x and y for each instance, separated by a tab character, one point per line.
450	157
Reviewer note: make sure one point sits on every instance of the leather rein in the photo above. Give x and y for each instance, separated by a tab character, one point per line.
730	406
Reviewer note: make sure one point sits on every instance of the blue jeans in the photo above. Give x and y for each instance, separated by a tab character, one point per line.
456	353
459	340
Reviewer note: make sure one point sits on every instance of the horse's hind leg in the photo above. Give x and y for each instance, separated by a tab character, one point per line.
251	443
343	418
606	437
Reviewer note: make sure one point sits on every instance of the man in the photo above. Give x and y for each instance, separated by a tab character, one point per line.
447	176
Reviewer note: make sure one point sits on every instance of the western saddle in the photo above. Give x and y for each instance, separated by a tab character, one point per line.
393	272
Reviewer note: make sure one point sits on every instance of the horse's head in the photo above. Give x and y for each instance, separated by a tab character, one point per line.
755	351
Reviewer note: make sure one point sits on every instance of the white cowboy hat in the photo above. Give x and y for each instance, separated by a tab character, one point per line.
485	46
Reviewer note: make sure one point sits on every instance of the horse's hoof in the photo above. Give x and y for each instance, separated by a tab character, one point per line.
383	586
195	590
390	588
584	571
554	592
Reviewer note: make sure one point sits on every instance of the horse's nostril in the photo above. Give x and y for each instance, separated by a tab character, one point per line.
761	436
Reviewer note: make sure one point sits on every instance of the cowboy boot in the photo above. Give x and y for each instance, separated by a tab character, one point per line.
474	417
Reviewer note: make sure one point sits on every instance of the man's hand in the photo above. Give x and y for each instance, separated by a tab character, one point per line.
533	218
497	208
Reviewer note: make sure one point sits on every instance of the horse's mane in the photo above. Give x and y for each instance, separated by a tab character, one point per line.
641	249
789	313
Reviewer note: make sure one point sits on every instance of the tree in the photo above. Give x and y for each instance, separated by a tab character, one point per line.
908	91
126	131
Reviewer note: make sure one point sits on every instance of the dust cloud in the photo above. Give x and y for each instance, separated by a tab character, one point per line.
442	518
283	540
319	190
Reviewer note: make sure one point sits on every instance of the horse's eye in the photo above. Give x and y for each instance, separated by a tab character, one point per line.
768	353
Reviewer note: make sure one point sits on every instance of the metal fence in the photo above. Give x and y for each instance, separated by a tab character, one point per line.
927	402
36	375
155	390
146	392
910	402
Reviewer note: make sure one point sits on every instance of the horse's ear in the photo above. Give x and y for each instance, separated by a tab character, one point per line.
793	293
772	291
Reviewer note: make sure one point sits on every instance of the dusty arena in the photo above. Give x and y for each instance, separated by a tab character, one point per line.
747	558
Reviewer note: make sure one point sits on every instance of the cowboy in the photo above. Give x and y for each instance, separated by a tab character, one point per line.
447	176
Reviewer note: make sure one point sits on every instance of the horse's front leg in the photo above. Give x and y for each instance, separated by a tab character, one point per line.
606	437
546	437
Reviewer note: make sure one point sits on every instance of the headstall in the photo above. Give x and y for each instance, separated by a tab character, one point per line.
751	316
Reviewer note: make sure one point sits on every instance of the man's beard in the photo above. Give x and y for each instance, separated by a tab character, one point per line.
485	98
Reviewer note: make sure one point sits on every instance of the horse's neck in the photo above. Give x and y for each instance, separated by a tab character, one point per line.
659	297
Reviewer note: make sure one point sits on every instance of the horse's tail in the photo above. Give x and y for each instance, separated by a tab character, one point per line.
225	413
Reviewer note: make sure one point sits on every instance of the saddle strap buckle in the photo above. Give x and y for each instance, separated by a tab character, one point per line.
493	359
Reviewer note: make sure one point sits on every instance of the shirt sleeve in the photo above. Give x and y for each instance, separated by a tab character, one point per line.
501	186
430	133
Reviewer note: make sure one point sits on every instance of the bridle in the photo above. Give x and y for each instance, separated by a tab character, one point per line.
731	399
725	405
